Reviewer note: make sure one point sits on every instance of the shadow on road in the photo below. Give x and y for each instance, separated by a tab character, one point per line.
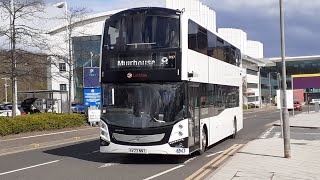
89	151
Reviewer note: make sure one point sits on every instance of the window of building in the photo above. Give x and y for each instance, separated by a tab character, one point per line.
62	67
252	72
63	87
252	85
253	99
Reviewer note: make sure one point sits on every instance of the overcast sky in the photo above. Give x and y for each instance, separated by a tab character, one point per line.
259	18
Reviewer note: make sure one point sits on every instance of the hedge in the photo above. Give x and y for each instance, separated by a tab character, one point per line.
40	122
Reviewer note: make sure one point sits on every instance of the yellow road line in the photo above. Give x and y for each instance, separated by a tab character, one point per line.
225	152
35	145
215	165
77	138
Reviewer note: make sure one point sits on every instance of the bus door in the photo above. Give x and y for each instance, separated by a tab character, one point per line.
194	116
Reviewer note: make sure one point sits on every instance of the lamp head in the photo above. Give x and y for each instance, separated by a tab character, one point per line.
59	5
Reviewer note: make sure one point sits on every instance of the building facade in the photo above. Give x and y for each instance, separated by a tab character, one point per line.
251	52
300	65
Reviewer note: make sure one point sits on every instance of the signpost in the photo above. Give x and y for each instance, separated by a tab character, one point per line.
92	97
91	93
93	116
91	77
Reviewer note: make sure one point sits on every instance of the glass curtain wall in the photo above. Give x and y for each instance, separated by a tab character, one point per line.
86	53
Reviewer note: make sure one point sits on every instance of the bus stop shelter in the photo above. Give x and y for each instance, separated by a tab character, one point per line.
55	101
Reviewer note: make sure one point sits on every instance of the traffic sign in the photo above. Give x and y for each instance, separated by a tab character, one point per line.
92	97
91	77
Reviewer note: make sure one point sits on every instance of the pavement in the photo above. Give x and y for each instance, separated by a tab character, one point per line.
263	158
37	140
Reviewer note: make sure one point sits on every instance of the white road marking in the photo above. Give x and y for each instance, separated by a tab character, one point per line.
270	124
40	135
164	172
189	160
277	135
214	154
108	165
264	135
8	172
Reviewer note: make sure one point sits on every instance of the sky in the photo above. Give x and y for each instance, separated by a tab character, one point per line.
258	18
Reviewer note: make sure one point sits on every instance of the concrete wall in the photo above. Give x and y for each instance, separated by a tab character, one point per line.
198	11
255	49
235	36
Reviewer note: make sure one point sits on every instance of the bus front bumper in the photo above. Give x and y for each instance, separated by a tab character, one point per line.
158	149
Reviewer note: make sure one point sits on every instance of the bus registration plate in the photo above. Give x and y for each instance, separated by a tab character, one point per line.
138	151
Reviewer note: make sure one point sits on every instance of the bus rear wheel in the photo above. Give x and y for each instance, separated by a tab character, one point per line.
234	134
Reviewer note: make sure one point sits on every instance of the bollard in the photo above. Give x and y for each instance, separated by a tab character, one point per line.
316	106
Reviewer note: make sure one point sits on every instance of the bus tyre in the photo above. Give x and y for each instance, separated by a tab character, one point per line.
234	134
204	143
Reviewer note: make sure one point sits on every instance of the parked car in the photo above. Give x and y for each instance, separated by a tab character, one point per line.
252	105
6	110
78	108
313	101
297	106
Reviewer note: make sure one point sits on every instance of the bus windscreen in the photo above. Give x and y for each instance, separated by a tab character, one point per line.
141	32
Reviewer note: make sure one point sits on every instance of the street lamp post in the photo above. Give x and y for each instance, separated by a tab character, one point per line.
91	58
69	58
285	113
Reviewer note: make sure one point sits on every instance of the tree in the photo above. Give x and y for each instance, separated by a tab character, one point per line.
20	33
73	18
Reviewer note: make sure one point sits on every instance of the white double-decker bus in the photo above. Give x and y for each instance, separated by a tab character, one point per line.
169	86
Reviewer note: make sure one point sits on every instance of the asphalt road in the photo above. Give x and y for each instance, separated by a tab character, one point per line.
83	160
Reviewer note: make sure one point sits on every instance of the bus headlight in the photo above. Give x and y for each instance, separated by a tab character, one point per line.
103	142
103	125
104	134
180	143
179	130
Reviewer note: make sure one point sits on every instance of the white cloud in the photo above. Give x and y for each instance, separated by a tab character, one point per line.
262	7
266	8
